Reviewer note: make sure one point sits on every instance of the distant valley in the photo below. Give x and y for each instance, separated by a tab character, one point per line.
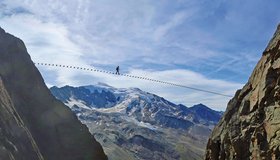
133	124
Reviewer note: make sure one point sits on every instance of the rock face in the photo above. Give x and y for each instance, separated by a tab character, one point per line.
133	124
33	124
250	127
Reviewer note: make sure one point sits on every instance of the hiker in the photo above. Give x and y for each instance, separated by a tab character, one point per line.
118	70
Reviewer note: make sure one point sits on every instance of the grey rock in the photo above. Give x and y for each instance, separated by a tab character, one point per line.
250	127
34	125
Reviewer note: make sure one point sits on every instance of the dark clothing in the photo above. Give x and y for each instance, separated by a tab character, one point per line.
118	70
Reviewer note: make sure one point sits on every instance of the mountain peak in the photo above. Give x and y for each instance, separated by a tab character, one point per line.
200	105
129	101
274	41
205	112
104	84
132	112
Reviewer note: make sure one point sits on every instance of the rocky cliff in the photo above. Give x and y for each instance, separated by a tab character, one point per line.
250	127
33	124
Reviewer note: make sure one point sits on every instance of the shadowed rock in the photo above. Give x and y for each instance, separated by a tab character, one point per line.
33	124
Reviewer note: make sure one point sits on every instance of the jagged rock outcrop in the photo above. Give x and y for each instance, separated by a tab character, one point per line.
33	124
250	127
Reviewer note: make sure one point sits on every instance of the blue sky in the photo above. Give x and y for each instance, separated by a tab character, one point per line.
211	45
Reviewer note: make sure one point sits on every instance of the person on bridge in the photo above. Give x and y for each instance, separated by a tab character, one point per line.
118	70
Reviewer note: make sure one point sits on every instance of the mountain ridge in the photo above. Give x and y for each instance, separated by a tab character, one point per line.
116	95
139	124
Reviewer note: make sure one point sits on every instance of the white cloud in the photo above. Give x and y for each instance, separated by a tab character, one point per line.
179	41
176	20
46	42
172	93
124	30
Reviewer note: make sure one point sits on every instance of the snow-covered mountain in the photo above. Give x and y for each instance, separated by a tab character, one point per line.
124	120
